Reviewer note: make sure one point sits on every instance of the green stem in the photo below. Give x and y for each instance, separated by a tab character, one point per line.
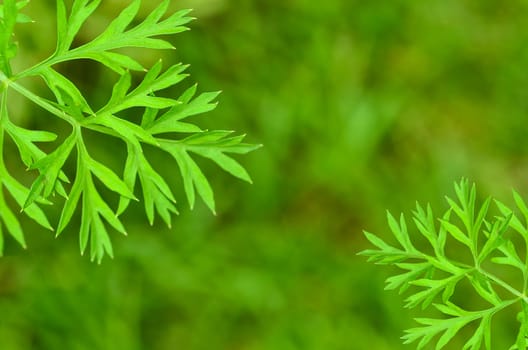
5	67
2	163
525	271
504	285
45	104
75	54
33	71
4	80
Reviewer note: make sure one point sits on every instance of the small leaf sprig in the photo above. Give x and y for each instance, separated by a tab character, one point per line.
490	243
162	119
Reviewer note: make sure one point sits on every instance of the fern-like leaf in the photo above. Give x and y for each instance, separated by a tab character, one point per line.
161	126
487	239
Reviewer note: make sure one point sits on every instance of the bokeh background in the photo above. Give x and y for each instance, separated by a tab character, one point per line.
362	106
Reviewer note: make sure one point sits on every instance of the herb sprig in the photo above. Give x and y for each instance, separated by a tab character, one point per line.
433	276
163	118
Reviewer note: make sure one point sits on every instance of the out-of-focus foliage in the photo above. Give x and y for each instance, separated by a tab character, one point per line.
361	106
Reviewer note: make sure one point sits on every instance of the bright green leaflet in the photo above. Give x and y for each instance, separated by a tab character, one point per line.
435	274
162	118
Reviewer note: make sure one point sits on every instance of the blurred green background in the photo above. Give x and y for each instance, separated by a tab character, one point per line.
362	106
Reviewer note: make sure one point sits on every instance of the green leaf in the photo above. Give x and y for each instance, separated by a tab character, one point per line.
104	210
193	178
8	49
495	237
119	92
31	135
156	192
129	174
148	117
437	276
109	178
456	233
142	95
120	23
522	338
480	217
514	222
225	162
425	224
378	242
20	17
386	254
10	221
73	197
414	271
483	287
400	232
25	141
448	328
170	121
20	193
68	27
92	227
64	90
128	131
163	114
511	257
100	242
49	167
482	334
117	62
142	35
432	288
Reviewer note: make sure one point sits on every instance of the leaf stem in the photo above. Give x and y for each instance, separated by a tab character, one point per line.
504	285
45	104
35	70
525	270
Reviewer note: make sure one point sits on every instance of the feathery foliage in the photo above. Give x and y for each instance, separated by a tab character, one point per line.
488	242
163	120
